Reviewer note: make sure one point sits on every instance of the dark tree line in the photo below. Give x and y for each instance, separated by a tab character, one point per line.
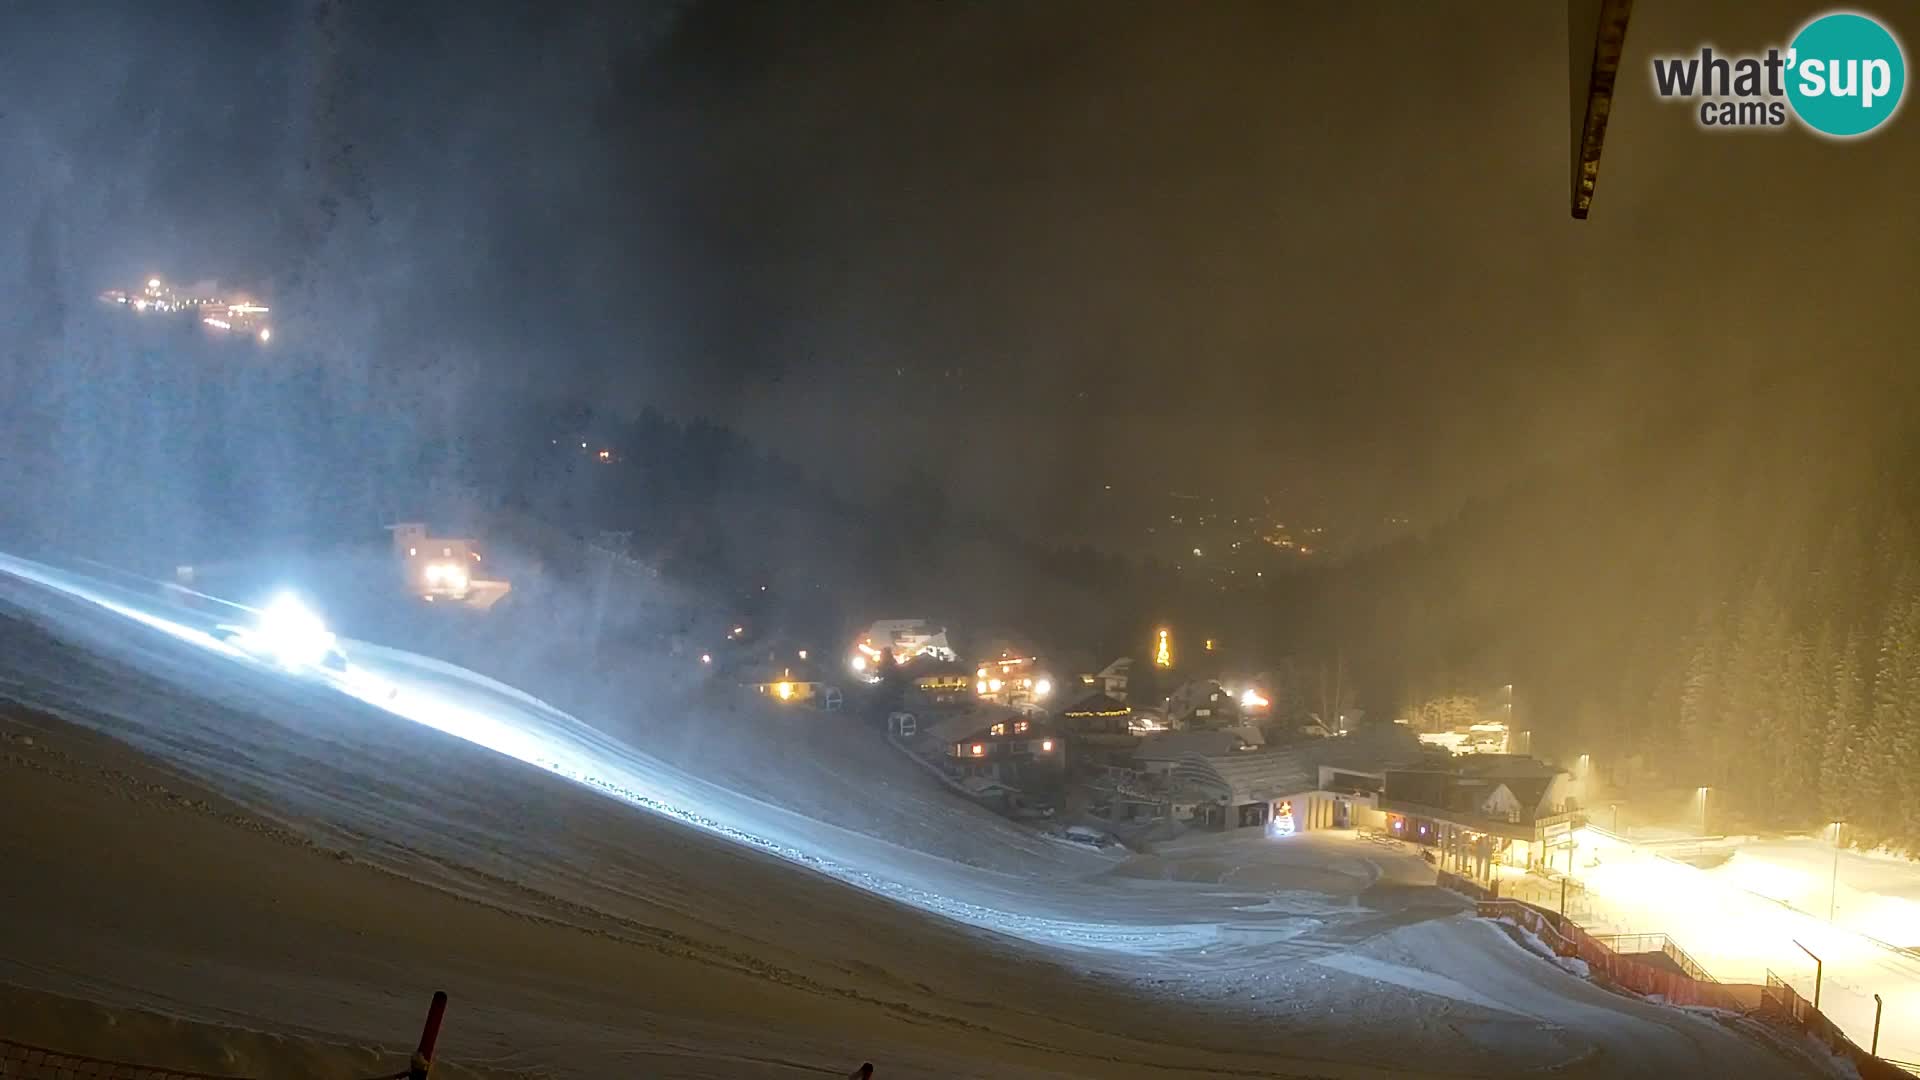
1727	604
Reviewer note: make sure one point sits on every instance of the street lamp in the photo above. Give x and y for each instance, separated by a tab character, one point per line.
1833	882
1817	967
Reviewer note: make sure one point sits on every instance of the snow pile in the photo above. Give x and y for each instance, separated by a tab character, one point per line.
1572	965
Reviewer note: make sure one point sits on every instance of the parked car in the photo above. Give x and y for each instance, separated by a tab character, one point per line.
1094	838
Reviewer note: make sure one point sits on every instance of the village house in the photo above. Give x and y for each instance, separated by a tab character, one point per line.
1202	703
1484	809
792	685
1024	752
1102	730
1314	784
1017	681
1110	680
941	684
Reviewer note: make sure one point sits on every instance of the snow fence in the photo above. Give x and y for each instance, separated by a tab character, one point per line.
1690	985
20	1061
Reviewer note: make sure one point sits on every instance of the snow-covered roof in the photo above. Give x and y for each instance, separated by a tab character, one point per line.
1096	705
1507	766
1174	745
967	725
1250	776
930	667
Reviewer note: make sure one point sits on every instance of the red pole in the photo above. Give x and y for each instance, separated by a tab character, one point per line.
430	1034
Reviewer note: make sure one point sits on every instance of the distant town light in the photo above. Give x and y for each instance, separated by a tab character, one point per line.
153	283
1163	649
706	658
784	689
803	654
1046	746
1043	687
979	750
266	334
859	663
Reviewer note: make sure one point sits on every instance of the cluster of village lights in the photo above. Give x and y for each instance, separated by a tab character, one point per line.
222	316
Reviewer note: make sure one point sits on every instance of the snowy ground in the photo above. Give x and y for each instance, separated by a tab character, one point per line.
251	850
1740	913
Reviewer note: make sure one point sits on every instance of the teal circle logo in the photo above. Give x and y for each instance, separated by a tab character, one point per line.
1845	74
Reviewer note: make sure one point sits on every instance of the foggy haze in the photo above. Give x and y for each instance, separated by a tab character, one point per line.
1174	379
1056	239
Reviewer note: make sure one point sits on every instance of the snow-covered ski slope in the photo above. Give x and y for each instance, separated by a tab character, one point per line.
1308	955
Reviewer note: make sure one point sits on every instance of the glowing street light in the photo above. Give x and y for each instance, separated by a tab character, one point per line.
1163	649
1833	881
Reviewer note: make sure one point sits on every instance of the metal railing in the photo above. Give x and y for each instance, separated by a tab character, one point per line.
1660	943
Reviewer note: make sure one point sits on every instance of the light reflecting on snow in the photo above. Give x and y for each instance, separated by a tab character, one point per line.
507	721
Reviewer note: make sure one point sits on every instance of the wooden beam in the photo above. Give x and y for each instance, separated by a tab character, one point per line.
1596	36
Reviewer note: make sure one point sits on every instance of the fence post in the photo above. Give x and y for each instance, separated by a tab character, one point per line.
430	1034
1875	1051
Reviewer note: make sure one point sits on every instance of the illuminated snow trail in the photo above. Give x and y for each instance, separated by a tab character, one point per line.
514	724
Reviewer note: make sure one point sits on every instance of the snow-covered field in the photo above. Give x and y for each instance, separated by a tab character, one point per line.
260	851
1740	917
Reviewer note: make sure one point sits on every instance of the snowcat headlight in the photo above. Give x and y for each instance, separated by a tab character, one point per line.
292	634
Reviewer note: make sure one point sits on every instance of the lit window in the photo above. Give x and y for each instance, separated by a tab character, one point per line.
1021	726
979	750
997	729
1046	746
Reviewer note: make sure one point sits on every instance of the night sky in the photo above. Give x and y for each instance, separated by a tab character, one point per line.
1311	253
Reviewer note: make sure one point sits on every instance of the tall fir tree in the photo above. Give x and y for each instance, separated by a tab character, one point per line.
1794	751
1700	692
1896	716
1847	709
1750	720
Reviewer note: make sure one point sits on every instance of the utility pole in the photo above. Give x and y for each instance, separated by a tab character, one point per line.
1875	1049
